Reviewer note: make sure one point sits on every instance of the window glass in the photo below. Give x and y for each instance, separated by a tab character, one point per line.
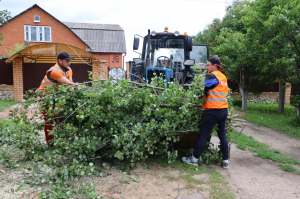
41	33
26	33
33	33
199	54
27	36
47	34
37	33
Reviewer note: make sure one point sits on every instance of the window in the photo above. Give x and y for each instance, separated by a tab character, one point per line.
37	33
36	18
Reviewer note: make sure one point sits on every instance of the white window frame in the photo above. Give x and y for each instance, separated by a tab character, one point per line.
37	33
34	20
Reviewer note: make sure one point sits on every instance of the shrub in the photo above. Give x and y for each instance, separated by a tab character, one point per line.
237	102
111	119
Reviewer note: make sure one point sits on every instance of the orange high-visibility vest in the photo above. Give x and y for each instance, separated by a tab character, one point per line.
47	81
217	98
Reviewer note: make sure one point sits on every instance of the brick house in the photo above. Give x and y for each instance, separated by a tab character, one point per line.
44	32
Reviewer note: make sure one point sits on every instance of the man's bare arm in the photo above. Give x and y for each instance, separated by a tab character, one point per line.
64	80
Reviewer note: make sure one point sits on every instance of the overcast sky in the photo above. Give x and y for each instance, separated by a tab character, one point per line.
134	16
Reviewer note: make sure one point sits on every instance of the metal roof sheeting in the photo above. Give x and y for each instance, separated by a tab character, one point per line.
100	37
93	26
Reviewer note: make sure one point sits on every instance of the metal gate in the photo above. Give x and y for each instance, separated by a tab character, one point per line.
6	72
33	73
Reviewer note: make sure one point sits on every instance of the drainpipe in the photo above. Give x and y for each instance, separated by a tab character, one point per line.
123	62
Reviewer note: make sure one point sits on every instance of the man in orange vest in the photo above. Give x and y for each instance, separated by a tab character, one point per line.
216	111
59	74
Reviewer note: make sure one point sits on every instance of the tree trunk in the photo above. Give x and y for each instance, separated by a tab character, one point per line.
298	110
245	92
281	97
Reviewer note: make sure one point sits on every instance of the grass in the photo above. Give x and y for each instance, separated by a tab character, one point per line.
219	187
267	115
4	104
264	151
289	168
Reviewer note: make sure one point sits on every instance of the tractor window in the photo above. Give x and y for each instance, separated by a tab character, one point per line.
169	47
199	54
175	54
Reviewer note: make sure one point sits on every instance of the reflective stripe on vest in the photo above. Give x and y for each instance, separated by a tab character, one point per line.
57	69
216	93
216	100
47	81
217	97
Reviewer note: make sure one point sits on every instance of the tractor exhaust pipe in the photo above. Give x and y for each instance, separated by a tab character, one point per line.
148	54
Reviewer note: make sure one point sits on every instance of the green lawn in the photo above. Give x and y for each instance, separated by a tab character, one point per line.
6	104
267	115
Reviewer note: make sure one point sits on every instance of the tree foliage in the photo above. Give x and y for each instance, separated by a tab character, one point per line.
4	17
259	44
17	48
275	24
110	120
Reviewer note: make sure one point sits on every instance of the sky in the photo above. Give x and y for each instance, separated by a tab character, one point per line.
134	16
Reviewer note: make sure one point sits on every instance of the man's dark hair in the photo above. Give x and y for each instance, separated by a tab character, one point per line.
214	60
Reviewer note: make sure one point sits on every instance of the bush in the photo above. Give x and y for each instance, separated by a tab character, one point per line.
109	120
237	102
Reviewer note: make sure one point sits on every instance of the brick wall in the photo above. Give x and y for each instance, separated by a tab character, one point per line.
96	70
13	32
18	79
110	58
127	70
100	70
4	87
288	91
104	69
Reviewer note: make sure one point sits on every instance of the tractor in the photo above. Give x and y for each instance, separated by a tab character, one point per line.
168	54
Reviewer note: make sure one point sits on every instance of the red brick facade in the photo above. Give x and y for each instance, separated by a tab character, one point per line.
113	59
13	31
288	94
18	79
100	70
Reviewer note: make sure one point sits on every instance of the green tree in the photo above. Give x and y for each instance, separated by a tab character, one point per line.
239	54
17	47
4	17
209	35
276	25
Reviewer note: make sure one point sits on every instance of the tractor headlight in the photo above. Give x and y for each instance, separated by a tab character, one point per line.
176	33
153	33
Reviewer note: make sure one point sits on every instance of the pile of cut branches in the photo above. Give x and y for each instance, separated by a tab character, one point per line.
111	119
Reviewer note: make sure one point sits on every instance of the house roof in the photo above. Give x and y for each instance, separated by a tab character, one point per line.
93	26
35	5
100	37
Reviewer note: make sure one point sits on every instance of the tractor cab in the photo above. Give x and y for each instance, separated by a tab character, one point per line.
164	54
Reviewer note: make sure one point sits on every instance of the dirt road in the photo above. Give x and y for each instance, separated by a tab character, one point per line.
254	177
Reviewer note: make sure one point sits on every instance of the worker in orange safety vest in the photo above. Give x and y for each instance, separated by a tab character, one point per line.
59	74
216	111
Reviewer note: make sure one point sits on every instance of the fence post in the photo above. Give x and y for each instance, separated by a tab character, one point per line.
18	79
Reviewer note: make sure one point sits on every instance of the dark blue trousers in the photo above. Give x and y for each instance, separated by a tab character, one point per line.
210	119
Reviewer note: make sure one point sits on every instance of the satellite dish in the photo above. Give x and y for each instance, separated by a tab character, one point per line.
117	73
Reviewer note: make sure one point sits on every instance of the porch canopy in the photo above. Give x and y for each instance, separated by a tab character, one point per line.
47	53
